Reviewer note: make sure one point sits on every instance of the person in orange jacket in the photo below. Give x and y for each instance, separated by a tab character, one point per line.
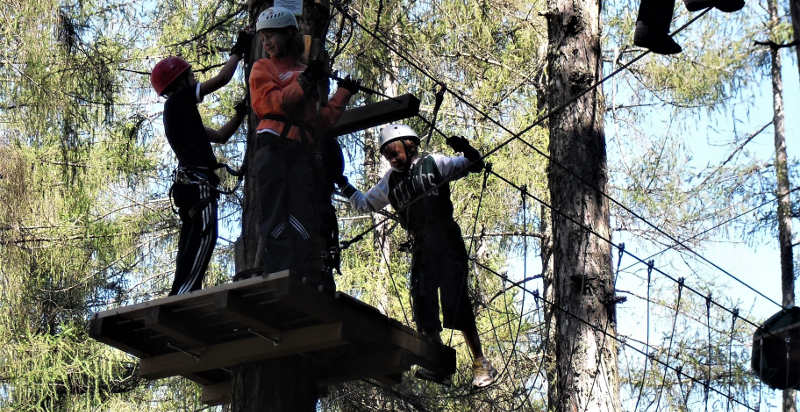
293	118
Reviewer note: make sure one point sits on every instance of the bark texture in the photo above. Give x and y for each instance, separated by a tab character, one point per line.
587	378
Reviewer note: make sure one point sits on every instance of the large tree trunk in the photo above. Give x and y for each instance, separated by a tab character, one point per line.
784	208
283	384
587	376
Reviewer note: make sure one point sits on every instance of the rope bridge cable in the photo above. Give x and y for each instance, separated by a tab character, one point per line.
609	241
518	136
619	340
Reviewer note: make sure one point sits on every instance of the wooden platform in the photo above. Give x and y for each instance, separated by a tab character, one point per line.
201	335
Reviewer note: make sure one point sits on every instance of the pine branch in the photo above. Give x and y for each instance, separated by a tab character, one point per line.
775	46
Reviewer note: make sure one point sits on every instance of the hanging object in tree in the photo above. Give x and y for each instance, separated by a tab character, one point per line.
776	350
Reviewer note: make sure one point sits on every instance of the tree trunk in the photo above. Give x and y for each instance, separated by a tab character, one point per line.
784	203
283	384
587	378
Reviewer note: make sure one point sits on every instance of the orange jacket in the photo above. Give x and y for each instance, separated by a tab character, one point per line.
274	90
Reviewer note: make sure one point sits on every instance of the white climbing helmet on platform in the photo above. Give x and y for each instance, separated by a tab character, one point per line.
275	18
394	132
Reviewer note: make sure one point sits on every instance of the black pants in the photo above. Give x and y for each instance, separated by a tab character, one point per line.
197	207
441	271
290	219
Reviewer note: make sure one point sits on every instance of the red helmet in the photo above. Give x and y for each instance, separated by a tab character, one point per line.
166	71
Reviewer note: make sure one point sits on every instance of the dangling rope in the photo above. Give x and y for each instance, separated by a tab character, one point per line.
708	371
730	359
650	265
437	105
671	335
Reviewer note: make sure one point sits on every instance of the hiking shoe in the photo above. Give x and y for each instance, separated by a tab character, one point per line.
656	40
483	373
729	6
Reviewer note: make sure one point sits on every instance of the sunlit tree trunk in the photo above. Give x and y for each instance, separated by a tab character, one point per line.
586	359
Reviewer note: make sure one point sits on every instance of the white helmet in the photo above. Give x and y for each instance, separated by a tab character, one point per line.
275	18
394	132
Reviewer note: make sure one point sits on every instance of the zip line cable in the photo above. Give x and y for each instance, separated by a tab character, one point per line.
518	136
610	242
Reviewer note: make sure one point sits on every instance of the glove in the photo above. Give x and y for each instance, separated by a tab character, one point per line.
341	181
461	144
349	84
458	143
308	79
243	41
241	107
344	185
315	71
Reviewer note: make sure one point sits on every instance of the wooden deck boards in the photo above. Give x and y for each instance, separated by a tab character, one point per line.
201	335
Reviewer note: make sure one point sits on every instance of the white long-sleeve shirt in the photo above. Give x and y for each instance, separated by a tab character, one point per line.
376	198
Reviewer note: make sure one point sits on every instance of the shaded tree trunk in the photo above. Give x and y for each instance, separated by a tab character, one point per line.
586	368
782	174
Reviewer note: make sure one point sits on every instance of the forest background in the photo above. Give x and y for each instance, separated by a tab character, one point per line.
86	223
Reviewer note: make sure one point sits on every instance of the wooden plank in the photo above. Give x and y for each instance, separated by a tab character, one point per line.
253	282
367	363
217	394
228	354
438	358
160	320
386	111
232	307
100	330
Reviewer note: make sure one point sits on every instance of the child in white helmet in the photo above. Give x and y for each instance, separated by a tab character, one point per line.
194	189
417	188
293	118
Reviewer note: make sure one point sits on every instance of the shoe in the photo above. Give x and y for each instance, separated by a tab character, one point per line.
658	42
695	5
483	373
727	6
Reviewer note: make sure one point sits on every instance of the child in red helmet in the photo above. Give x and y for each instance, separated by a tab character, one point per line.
194	188
418	189
293	117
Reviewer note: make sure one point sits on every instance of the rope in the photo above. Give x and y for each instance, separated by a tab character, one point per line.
671	335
